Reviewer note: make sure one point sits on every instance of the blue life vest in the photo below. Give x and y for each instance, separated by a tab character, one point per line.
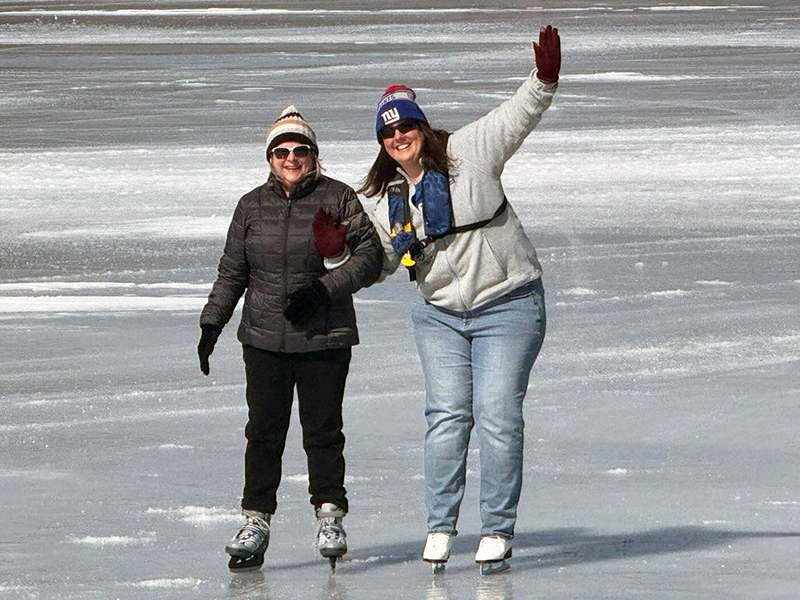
432	194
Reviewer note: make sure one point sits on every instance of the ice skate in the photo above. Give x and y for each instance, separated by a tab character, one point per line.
331	537
492	553
437	550
247	547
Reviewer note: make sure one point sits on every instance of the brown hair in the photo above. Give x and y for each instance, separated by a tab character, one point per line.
434	158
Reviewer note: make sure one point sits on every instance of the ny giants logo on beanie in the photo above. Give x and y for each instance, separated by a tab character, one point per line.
397	103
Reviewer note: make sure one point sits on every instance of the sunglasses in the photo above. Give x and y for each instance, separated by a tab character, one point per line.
282	153
386	132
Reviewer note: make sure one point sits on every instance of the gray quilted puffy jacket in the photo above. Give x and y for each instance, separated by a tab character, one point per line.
270	252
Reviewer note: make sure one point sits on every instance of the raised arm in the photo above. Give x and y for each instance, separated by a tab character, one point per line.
489	142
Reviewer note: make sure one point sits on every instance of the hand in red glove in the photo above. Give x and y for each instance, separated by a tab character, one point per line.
329	235
548	54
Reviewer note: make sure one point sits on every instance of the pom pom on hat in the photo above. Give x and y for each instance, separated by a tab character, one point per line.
397	103
291	126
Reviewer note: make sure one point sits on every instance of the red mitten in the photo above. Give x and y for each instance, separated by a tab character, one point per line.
548	54
329	236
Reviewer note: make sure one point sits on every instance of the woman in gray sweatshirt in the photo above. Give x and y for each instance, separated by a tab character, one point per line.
479	321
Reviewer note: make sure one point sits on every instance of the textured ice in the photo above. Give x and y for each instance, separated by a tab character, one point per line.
183	582
199	515
661	193
94	304
112	540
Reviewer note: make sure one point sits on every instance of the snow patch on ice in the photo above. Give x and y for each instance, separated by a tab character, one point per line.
791	339
303	478
31	474
784	503
119	419
174	447
716	522
671	293
10	587
244	11
79	286
109	304
112	540
184	582
617	471
355	478
368	560
699	7
365	301
578	291
713	282
183	227
199	515
623	76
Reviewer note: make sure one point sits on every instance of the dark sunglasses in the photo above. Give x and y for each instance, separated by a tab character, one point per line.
282	153
387	131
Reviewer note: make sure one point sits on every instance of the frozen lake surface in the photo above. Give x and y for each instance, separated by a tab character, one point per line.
662	191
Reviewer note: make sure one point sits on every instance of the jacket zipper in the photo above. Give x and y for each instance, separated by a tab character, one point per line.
285	267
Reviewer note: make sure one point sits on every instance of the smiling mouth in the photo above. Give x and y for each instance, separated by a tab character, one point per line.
402	146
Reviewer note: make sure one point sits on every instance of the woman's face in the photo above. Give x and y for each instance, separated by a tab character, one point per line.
405	148
292	169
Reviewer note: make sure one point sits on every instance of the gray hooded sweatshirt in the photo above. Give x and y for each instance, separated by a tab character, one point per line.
463	271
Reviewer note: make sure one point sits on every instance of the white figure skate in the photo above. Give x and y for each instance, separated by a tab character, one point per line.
492	554
437	550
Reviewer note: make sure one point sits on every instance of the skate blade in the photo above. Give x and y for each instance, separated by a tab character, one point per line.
243	564
437	568
491	568
332	561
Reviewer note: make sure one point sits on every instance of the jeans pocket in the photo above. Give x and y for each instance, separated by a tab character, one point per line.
521	292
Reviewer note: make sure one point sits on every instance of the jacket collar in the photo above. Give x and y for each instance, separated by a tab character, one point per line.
304	189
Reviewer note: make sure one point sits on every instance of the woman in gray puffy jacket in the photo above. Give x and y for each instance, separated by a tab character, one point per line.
479	321
298	247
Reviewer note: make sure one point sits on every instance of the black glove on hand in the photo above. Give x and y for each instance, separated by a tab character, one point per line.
206	346
305	302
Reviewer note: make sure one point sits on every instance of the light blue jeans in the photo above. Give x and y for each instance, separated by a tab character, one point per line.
476	366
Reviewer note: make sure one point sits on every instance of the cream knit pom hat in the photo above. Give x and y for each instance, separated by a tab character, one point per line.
291	126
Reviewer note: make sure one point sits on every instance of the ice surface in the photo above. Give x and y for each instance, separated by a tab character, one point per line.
661	192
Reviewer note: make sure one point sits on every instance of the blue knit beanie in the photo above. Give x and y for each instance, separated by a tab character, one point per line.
397	103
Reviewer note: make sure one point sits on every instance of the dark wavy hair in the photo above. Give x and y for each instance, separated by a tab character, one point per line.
434	158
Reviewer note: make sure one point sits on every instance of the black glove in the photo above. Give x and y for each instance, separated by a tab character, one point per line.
206	346
305	302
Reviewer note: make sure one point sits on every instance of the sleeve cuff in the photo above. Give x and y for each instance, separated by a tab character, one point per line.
548	87
334	263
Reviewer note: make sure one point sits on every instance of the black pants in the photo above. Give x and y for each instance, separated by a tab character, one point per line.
271	379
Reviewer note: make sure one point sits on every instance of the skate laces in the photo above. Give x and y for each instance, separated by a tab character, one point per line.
438	542
491	545
329	519
329	529
254	528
